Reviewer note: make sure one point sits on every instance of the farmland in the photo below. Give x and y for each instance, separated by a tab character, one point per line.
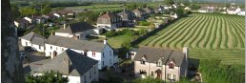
207	36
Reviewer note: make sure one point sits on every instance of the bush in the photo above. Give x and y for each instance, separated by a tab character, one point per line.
47	77
111	33
143	23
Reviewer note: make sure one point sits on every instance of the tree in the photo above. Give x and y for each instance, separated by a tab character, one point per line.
168	2
27	11
131	6
15	11
47	77
142	31
110	33
46	9
88	16
179	11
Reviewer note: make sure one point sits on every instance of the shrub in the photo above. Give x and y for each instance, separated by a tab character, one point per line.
110	33
143	23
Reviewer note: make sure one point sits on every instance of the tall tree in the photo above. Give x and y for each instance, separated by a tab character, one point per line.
11	66
15	11
168	2
46	9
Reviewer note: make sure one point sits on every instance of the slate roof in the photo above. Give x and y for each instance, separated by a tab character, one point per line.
34	38
126	15
22	20
78	27
140	11
154	54
69	63
75	44
149	10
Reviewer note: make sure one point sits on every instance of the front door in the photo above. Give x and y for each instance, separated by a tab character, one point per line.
158	73
54	53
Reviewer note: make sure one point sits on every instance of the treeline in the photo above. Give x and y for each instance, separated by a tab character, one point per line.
214	72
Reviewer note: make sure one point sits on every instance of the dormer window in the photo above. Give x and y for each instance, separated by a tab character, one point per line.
142	61
171	65
159	63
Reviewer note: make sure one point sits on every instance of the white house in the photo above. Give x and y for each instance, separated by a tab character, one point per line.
241	13
165	64
187	8
75	66
109	21
233	10
21	23
33	40
28	19
77	30
102	52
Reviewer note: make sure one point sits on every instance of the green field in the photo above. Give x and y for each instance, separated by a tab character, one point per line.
207	36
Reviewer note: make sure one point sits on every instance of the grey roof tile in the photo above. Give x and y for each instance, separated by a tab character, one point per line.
76	27
69	63
154	54
75	44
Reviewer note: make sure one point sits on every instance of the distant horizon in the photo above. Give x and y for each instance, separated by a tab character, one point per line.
197	1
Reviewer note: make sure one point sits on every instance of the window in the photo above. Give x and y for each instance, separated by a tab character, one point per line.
159	63
39	47
62	49
171	66
26	43
50	47
103	54
94	70
142	61
168	76
93	54
103	63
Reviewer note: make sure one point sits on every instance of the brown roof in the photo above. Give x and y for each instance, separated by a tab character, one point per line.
154	54
107	16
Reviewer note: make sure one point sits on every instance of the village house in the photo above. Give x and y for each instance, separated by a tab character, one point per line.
207	9
140	14
160	9
33	40
79	30
69	14
149	10
233	10
165	64
187	8
102	52
21	23
35	19
127	18
109	21
77	67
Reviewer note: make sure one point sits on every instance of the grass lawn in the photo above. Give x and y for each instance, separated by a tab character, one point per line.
227	56
116	41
